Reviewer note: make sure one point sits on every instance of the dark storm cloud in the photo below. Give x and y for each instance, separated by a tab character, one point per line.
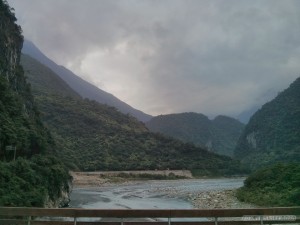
214	57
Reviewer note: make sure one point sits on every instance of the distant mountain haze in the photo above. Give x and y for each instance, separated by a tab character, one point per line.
90	91
48	81
82	87
219	135
245	116
273	132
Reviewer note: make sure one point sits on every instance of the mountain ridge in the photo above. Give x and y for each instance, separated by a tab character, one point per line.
82	87
93	136
272	134
218	135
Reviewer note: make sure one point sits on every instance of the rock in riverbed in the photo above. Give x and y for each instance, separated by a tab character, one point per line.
222	199
217	199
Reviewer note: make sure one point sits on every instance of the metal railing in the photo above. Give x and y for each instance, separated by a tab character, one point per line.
74	216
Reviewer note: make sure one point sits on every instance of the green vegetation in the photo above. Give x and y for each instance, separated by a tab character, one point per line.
278	185
219	135
32	179
20	125
93	136
31	182
272	134
97	137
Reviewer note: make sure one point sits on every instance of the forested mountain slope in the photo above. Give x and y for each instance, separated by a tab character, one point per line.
25	144
273	186
273	134
219	135
20	125
93	136
82	87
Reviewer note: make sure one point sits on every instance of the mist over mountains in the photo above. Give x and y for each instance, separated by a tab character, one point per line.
93	136
206	133
88	90
82	87
216	138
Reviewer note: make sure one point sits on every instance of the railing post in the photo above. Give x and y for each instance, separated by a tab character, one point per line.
261	220
29	220
122	221
75	220
169	220
216	220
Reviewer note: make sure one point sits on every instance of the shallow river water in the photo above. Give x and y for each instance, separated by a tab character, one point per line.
148	194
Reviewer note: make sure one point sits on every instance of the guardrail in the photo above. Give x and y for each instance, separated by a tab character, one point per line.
72	216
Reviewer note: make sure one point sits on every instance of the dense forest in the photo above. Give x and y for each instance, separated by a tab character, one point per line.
20	124
22	134
93	136
277	185
272	134
37	182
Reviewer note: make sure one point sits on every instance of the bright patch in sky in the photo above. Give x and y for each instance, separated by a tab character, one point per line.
212	57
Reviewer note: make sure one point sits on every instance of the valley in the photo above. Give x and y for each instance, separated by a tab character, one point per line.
93	136
161	194
61	126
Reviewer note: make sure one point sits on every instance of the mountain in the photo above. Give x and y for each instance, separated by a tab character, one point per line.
219	135
29	173
20	125
94	136
273	134
82	87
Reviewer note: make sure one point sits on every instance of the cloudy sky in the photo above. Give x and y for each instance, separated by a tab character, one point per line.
166	56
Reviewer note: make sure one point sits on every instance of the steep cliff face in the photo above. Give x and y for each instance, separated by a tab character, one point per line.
273	134
11	42
60	202
27	178
20	125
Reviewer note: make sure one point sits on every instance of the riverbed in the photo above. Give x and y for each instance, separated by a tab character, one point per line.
166	194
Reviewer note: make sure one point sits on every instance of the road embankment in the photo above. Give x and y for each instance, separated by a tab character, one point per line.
100	178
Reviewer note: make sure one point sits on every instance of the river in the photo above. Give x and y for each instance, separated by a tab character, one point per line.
170	194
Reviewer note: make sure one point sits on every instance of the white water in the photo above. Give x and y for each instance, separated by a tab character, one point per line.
148	194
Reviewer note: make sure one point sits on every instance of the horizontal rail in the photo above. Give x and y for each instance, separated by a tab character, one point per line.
164	213
151	223
75	216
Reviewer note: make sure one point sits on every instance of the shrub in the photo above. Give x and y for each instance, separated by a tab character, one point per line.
277	185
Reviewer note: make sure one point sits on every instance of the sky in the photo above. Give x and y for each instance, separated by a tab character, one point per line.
170	56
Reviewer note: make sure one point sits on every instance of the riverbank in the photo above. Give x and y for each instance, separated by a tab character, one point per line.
223	199
100	178
218	199
212	199
204	199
